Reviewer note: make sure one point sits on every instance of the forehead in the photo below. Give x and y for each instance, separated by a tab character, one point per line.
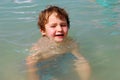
54	16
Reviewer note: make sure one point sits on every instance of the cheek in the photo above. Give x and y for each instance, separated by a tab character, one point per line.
66	30
50	32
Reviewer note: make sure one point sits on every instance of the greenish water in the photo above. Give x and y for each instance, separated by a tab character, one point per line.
94	24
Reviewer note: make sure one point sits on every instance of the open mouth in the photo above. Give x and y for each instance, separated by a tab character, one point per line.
59	35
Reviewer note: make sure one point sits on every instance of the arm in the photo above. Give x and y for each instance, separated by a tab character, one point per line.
32	69
81	65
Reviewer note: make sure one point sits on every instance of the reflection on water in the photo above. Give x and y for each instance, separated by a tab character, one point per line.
110	15
94	24
110	12
108	3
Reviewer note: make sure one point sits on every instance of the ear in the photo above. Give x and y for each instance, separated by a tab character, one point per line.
43	32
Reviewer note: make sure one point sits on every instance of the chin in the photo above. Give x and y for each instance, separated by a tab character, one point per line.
60	40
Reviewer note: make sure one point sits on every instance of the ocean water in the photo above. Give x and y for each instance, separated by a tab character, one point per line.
95	24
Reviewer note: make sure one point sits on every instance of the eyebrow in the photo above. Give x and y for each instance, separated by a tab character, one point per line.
63	22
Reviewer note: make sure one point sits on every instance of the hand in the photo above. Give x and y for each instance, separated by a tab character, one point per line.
31	60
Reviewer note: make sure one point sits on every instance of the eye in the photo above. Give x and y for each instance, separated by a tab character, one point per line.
63	25
53	26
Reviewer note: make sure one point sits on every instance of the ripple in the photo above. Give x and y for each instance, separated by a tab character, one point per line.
24	12
22	1
18	7
29	6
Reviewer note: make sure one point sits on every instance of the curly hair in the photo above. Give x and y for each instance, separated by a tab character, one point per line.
44	15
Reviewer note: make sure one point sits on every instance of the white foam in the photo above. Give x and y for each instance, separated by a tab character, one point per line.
22	1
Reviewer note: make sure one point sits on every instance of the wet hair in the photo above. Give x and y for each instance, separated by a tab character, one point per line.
44	15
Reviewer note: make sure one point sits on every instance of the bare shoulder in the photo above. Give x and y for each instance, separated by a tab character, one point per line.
38	46
72	42
34	52
38	50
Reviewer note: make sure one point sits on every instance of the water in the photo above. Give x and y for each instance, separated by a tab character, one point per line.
95	24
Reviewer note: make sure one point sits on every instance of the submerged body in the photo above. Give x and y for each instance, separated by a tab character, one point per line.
46	48
55	60
59	68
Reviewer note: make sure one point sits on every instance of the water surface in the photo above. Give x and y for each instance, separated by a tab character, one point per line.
94	24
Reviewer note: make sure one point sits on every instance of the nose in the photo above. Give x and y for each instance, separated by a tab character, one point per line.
59	28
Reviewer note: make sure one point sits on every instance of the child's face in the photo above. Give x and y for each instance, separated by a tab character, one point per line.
55	29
